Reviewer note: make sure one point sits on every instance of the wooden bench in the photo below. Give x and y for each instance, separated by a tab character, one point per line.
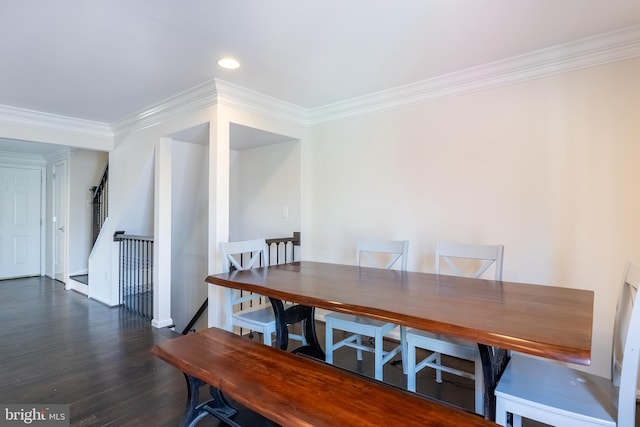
291	389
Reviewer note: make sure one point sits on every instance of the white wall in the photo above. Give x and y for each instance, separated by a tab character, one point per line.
547	167
189	222
264	184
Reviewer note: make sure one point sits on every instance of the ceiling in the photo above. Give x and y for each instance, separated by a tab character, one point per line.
102	60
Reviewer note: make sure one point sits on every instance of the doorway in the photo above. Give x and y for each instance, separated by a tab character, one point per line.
20	221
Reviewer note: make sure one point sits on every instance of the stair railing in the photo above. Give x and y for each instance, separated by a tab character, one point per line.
99	204
136	273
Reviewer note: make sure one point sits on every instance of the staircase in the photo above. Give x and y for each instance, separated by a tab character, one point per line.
99	213
81	278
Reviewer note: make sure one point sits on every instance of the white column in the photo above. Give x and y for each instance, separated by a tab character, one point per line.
218	209
162	236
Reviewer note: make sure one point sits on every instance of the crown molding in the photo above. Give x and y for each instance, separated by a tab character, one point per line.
196	98
23	117
588	52
246	99
205	95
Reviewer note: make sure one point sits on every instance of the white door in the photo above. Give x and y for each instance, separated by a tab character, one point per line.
20	222
59	200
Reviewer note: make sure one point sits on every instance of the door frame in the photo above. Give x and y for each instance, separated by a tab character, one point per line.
65	204
11	160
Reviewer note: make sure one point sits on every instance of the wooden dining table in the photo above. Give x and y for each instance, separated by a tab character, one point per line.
547	321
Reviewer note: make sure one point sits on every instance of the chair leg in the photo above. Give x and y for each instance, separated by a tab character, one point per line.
438	371
411	367
403	342
267	337
501	413
358	351
378	357
479	384
328	343
517	421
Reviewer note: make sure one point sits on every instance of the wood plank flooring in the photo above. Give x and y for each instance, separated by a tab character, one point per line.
59	347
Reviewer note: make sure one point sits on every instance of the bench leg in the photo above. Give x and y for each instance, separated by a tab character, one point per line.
217	406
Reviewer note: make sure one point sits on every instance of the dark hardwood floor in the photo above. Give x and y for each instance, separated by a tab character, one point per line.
59	347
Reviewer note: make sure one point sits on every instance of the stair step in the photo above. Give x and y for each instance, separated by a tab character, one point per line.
82	278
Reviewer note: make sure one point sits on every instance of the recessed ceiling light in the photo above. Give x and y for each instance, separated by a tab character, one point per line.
228	63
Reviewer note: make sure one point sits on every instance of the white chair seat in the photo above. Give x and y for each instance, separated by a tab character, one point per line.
254	317
351	322
555	394
260	318
444	344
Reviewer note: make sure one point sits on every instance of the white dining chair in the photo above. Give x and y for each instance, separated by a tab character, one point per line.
249	310
378	254
556	394
468	261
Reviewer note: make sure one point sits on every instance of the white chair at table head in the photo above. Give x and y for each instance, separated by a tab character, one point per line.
466	260
248	310
556	394
378	254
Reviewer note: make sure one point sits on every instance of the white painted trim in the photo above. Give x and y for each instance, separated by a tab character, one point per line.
102	300
56	156
245	99
201	96
162	323
23	159
23	117
589	52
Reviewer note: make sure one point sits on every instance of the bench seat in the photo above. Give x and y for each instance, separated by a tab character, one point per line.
295	390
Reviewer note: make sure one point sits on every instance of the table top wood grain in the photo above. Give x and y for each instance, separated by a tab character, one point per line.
547	321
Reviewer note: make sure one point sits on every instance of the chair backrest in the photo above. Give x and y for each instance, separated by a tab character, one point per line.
626	345
382	253
243	255
454	253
